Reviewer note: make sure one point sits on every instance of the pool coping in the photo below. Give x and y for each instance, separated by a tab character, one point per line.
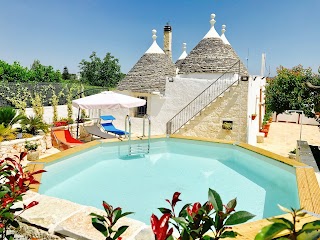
308	187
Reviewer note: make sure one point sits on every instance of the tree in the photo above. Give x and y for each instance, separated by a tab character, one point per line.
35	65
37	73
65	74
41	73
13	73
97	72
288	90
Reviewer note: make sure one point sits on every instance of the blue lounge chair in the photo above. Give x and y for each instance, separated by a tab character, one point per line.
109	127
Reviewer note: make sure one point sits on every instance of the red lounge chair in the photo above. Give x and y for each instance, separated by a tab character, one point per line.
63	136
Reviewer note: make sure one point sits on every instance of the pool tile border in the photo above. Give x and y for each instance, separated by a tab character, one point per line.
308	187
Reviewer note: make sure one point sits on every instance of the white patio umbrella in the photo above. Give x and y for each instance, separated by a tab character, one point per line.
107	100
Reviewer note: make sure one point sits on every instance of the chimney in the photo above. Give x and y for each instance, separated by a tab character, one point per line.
167	40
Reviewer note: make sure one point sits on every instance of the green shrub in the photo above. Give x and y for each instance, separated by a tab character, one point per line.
309	230
9	116
33	125
7	133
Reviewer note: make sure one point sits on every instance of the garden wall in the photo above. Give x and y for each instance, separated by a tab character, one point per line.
15	147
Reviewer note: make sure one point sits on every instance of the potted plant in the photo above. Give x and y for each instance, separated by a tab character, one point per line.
253	116
227	125
292	154
31	148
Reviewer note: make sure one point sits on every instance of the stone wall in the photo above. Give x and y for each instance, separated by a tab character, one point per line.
231	107
15	147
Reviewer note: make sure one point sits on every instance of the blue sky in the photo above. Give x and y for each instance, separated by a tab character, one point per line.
63	32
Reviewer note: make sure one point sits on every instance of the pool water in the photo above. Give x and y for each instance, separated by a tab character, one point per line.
141	184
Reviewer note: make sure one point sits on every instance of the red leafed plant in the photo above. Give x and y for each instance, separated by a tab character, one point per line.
194	221
14	183
105	224
160	227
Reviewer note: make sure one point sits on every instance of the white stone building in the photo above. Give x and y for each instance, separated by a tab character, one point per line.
208	87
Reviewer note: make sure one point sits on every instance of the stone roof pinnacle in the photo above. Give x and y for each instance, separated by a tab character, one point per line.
154	48
223	37
212	32
184	52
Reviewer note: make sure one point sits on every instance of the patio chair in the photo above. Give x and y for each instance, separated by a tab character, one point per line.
95	130
109	127
64	138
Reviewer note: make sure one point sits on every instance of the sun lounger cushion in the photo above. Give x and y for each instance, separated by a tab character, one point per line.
107	117
64	136
108	127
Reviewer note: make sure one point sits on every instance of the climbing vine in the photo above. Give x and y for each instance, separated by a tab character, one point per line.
55	102
38	97
18	98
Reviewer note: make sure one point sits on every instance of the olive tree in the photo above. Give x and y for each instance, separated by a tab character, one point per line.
97	72
288	90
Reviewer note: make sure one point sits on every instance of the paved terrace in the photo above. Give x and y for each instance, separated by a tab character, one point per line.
282	138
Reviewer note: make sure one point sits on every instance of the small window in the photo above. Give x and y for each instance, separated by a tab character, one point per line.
142	110
227	125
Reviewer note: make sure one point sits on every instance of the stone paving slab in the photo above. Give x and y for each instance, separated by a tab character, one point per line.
70	219
79	226
49	212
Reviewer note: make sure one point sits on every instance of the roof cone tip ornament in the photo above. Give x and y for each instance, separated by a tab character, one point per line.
212	32
154	48
184	51
212	21
154	36
184	47
223	30
223	37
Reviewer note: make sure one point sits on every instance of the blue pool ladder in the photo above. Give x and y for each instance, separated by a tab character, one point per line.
138	149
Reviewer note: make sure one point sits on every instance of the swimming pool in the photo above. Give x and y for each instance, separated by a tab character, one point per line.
141	184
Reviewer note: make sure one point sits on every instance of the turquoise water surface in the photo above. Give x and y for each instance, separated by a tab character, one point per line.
141	184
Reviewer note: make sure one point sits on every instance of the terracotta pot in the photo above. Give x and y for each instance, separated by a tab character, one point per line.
266	126
265	131
253	117
60	123
33	156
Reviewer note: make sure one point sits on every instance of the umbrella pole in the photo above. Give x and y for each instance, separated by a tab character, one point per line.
78	123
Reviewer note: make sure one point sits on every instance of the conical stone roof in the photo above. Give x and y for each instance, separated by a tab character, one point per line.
150	72
211	55
182	56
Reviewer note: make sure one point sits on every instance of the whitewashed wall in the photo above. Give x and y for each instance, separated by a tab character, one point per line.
254	107
162	108
294	118
48	113
178	94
